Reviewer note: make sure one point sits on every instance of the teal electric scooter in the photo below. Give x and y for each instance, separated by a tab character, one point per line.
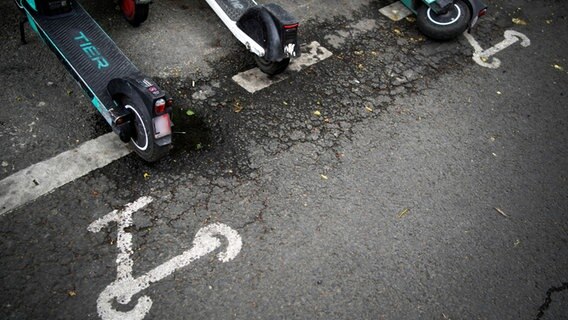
136	109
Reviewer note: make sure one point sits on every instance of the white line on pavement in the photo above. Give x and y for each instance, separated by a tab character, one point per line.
396	11
43	177
254	80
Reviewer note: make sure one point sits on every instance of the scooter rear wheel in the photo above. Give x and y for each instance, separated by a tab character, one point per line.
142	139
444	26
271	67
134	13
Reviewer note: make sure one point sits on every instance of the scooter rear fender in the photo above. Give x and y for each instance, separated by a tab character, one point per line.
477	8
269	26
142	92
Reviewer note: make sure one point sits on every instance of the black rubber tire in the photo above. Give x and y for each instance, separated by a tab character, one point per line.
444	27
271	67
142	139
135	14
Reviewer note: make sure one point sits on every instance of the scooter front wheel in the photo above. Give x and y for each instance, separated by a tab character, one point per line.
134	13
271	67
142	139
444	26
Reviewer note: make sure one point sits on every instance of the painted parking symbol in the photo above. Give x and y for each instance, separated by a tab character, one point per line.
126	286
485	58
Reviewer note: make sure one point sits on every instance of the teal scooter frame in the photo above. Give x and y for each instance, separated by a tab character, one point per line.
136	109
446	19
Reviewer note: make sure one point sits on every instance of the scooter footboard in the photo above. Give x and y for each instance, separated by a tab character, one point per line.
273	28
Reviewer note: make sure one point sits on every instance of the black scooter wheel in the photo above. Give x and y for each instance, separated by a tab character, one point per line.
142	139
271	67
134	13
444	26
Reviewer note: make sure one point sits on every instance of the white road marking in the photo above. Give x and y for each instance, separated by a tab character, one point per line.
482	57
396	11
126	286
41	178
123	218
254	80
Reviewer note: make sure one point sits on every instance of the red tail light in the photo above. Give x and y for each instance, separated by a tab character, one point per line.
482	13
160	106
291	26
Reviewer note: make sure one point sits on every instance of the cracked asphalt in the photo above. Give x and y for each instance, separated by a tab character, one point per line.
383	204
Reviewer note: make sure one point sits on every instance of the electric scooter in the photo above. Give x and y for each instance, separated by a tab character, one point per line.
446	19
132	103
268	31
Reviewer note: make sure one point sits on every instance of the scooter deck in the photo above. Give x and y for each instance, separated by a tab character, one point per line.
87	51
235	8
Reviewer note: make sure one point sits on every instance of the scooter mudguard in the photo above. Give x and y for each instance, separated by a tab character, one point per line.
143	1
142	92
274	28
478	9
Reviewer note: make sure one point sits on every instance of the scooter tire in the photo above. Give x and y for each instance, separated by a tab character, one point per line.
446	26
271	67
134	13
142	140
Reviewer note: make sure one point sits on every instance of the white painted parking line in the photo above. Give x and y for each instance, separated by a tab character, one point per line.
254	80
41	178
396	11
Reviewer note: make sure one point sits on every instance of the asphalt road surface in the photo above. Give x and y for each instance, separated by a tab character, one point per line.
396	179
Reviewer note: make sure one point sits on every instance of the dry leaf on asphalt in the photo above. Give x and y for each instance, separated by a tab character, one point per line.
403	212
501	212
519	21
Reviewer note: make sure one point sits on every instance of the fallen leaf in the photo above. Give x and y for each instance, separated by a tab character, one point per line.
71	293
548	21
190	112
237	107
410	19
324	177
558	67
498	92
501	212
484	58
317	113
397	32
519	21
517	242
369	109
146	175
285	103
198	146
403	212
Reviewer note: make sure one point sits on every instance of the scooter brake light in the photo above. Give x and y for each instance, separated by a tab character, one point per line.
160	106
482	13
291	26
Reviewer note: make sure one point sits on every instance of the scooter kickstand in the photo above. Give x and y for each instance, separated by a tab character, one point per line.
23	21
